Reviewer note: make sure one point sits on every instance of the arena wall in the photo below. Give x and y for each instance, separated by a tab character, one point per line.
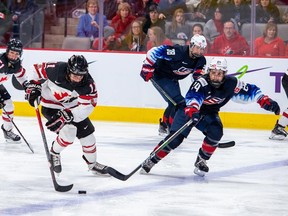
124	96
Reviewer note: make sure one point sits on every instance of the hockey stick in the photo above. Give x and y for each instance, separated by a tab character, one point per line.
57	187
220	145
120	176
29	146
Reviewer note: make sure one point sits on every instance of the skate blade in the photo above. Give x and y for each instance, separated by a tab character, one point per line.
277	137
12	141
199	172
99	173
143	172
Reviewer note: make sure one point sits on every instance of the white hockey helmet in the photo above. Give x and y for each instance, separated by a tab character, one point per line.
198	40
218	63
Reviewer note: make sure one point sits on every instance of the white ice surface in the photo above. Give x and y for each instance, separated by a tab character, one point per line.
249	179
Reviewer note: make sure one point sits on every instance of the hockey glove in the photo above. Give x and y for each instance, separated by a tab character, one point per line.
33	92
269	104
193	113
147	72
2	103
58	120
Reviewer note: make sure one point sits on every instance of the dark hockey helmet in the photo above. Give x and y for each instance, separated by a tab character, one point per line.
14	45
218	64
77	65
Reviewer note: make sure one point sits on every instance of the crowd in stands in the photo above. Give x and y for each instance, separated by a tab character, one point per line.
138	25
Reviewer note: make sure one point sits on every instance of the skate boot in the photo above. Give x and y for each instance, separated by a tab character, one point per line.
201	167
56	161
163	128
278	133
96	168
10	136
147	166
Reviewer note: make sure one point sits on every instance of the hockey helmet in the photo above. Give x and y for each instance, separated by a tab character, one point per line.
219	64
77	65
198	40
14	45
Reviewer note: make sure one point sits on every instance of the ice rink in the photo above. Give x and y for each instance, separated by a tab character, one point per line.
249	179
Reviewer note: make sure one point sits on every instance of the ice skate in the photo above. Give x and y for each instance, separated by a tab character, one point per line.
278	133
147	166
96	168
56	162
201	167
163	128
10	136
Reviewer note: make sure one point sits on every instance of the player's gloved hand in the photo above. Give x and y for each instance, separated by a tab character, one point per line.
2	104
147	72
193	113
33	92
269	104
59	119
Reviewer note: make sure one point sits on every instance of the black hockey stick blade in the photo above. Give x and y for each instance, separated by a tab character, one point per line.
57	187
226	144
119	175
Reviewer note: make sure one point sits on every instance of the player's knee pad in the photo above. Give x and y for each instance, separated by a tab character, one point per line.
89	148
88	143
9	107
68	133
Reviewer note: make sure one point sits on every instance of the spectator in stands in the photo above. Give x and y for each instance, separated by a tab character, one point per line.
203	11
157	38
20	10
214	27
135	40
269	44
88	25
122	21
109	40
140	8
167	8
285	17
178	29
153	19
286	50
197	28
110	8
5	24
239	11
266	12
230	42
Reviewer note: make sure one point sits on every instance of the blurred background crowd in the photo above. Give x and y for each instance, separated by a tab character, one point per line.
231	27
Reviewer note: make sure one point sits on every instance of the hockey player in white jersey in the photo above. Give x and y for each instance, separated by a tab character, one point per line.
10	64
68	96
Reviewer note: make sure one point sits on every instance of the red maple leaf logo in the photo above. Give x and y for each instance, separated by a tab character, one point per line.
3	79
61	95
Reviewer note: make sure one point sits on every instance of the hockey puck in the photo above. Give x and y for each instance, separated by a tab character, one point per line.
82	192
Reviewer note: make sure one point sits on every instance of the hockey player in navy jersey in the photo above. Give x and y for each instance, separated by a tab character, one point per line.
168	64
10	64
279	132
203	101
68	96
